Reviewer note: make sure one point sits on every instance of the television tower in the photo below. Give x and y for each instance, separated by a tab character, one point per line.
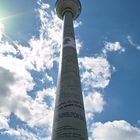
69	116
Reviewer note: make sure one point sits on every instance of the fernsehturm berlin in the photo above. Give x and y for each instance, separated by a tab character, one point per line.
69	121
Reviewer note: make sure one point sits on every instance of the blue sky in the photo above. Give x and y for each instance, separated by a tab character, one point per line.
107	36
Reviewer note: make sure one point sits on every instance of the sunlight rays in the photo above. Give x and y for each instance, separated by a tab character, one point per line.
15	15
7	19
1	30
3	34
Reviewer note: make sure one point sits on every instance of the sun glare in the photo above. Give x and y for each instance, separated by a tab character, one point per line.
1	30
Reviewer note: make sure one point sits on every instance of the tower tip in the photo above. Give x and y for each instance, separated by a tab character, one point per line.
62	6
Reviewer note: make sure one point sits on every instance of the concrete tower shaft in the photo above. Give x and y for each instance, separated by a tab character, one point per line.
69	116
62	6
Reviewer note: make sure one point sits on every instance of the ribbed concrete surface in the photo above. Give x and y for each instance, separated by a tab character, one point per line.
69	116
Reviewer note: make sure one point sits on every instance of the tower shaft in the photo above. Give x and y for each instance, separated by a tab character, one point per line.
69	116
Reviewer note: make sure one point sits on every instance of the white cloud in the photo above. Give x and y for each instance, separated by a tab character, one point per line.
138	48
14	99
94	103
17	69
96	72
4	120
138	121
116	130
113	47
21	134
7	48
77	24
130	40
79	45
49	92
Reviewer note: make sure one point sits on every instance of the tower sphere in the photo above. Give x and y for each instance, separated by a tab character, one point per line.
62	6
